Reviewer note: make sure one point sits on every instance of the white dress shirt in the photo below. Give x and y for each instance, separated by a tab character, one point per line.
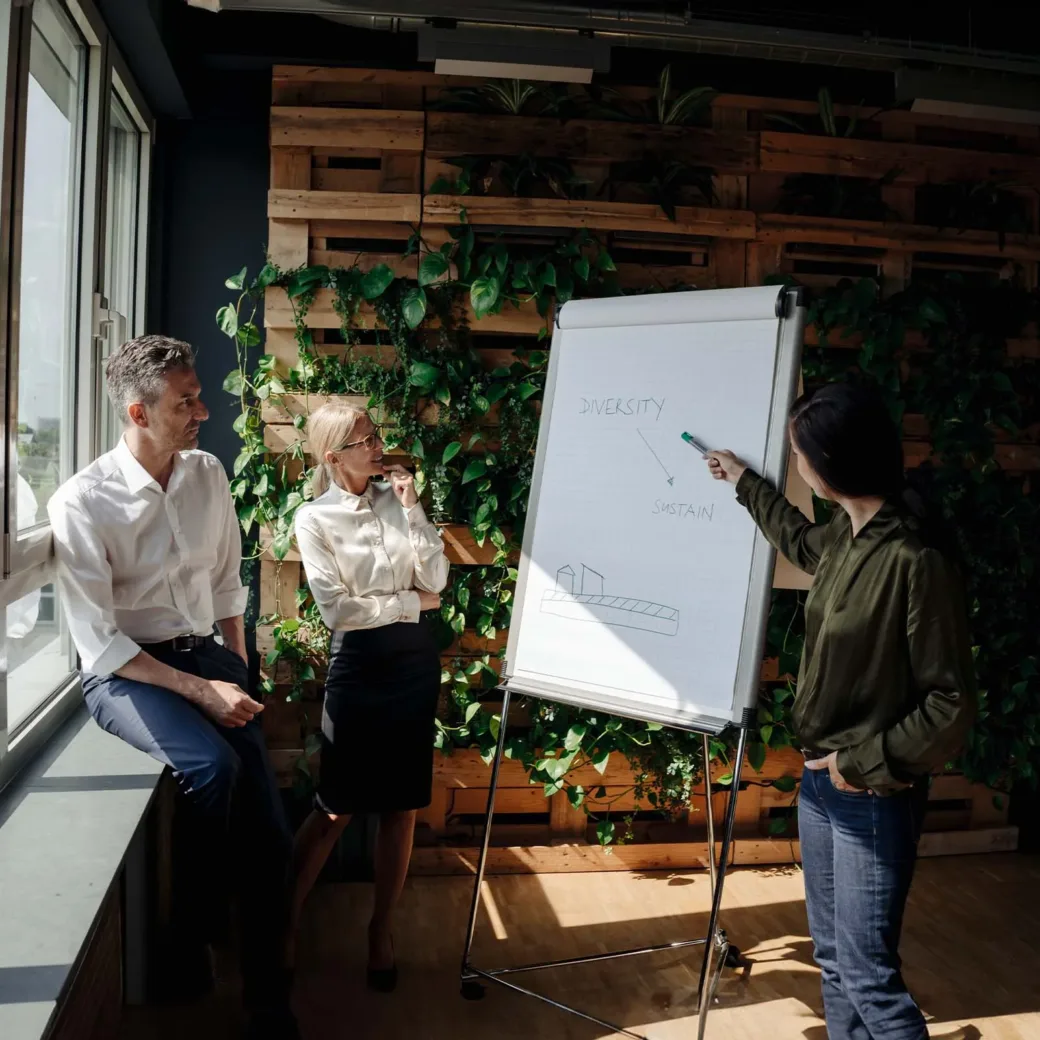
365	555
140	565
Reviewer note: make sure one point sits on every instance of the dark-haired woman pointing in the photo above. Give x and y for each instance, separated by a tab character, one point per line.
886	693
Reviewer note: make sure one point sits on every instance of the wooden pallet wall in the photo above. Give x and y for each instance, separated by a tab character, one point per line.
354	156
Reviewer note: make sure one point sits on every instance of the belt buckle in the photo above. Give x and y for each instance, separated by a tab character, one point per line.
182	644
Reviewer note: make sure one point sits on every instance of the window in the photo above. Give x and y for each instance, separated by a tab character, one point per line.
48	269
39	653
121	239
72	193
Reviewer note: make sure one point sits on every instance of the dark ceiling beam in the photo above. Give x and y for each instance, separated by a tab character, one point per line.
135	29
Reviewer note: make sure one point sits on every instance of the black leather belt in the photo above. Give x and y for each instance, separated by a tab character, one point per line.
180	644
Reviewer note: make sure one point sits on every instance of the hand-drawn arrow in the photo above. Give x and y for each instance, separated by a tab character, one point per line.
671	479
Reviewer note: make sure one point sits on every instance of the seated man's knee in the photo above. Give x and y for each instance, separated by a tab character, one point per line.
211	780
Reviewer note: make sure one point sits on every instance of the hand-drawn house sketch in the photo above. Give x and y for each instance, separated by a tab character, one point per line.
589	602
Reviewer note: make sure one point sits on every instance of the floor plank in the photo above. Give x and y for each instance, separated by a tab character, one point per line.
971	952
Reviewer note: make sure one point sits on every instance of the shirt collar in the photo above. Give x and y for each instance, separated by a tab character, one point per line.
348	498
136	476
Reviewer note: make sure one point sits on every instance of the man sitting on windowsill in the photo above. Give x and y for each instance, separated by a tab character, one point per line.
149	552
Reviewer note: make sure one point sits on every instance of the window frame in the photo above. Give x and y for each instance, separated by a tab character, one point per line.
26	562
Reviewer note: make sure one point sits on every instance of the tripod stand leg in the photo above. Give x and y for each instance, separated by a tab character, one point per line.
709	980
710	812
471	988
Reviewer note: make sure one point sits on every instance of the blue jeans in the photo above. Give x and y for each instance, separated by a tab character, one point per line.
858	853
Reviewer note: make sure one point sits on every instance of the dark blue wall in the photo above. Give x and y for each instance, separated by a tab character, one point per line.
210	220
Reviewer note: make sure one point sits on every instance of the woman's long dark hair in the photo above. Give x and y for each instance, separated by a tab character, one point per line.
848	436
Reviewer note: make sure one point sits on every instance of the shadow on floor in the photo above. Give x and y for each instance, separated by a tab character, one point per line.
971	950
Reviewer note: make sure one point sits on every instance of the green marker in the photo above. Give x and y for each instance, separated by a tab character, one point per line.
694	443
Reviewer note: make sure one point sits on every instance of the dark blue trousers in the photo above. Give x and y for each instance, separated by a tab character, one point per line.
858	854
243	845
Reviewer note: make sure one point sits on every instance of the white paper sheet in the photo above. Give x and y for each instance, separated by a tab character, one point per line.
637	568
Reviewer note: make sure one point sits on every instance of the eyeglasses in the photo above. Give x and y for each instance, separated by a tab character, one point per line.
368	443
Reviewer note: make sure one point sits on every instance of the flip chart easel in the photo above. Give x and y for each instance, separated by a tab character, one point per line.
635	638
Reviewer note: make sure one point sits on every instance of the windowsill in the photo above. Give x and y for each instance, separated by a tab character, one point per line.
65	827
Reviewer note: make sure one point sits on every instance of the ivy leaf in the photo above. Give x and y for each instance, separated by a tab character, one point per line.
433	267
281	546
599	763
604	261
576	795
483	294
564	287
235	382
549	274
248	335
450	452
423	374
237	281
786	784
525	390
605	831
227	320
931	311
262	486
413	307
376	281
574	737
756	756
471	710
581	268
778	826
475	468
306	280
268	276
442	395
417	449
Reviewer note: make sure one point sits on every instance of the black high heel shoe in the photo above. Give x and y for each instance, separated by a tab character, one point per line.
383	980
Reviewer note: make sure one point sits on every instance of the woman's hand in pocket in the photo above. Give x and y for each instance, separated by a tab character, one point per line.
830	763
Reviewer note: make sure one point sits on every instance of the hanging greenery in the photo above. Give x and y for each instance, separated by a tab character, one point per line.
406	349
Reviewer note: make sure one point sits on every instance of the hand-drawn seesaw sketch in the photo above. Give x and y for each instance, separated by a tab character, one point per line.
590	603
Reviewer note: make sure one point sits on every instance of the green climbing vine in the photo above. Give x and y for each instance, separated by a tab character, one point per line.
406	348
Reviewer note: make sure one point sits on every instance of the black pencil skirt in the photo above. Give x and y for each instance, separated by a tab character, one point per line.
377	725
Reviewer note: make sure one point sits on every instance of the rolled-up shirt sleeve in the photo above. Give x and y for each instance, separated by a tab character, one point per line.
339	608
85	585
431	565
229	594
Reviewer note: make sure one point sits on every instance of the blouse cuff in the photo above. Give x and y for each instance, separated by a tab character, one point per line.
409	600
417	517
746	485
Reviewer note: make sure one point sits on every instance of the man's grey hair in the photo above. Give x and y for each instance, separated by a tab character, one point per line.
136	372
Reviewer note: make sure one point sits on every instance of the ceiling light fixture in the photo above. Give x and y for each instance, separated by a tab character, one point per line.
514	53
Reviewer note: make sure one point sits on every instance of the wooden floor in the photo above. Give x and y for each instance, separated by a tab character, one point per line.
971	953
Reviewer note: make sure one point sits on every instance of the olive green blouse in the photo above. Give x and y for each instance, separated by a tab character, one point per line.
886	677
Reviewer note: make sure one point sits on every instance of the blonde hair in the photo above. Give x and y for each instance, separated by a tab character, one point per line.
329	428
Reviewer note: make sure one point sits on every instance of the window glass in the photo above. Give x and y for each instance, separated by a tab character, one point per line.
122	207
49	258
39	657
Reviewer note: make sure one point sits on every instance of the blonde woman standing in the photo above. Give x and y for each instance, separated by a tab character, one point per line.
374	564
